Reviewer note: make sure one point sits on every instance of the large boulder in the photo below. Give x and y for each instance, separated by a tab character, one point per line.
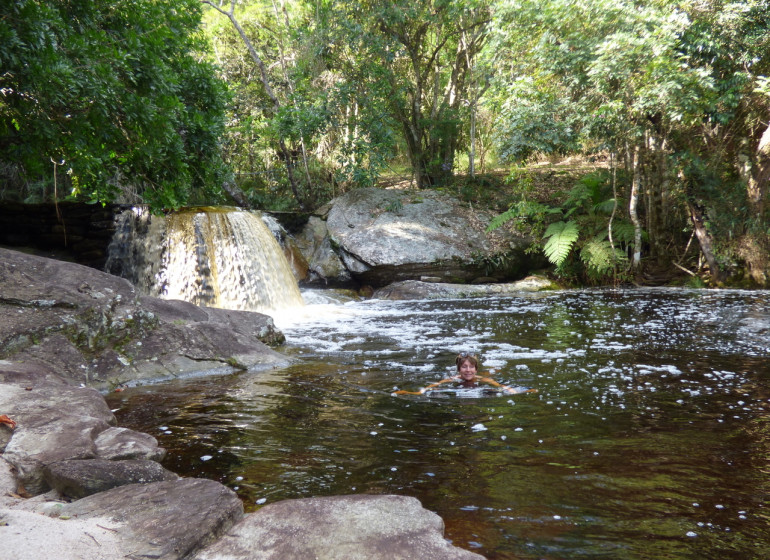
382	236
105	334
164	520
325	267
339	527
54	421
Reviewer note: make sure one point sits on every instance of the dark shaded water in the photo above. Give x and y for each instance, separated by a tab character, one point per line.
649	437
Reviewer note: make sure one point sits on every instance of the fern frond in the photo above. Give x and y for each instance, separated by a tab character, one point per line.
522	209
561	237
511	214
623	231
605	207
599	258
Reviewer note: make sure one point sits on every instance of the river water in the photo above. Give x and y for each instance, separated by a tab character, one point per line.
648	438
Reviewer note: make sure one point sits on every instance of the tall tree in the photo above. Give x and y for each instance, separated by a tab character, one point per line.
422	54
277	105
299	101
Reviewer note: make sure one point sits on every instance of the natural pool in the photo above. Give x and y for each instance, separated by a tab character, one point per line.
649	437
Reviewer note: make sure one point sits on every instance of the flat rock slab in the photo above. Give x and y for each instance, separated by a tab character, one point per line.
415	289
78	479
340	528
161	520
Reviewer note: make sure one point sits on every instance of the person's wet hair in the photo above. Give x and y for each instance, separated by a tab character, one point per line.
466	357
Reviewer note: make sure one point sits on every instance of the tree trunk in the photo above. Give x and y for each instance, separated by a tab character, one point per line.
657	183
287	79
760	177
472	149
268	90
633	201
236	194
706	245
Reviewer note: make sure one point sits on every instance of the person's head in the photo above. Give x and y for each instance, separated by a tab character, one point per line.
467	366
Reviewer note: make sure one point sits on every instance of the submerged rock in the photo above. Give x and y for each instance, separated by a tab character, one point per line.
413	289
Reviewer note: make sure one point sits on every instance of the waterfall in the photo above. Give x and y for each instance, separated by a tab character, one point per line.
216	257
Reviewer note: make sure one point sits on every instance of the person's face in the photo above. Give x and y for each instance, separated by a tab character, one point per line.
467	371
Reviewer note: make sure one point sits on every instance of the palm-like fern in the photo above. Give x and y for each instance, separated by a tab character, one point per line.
561	237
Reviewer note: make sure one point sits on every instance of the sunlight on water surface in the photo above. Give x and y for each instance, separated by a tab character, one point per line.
649	436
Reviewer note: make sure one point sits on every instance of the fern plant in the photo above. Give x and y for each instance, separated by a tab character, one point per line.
583	230
600	258
530	211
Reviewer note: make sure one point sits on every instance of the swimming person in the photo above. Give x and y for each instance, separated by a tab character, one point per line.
467	377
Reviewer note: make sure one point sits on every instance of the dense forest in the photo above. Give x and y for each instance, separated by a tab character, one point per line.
283	105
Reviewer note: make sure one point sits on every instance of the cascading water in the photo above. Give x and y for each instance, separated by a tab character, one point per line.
216	257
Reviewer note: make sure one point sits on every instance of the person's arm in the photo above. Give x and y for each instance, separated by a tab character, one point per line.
506	388
424	389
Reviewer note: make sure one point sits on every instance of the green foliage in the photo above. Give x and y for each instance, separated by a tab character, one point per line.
118	100
329	112
623	232
525	210
600	258
419	59
561	236
493	263
668	81
534	121
395	206
582	231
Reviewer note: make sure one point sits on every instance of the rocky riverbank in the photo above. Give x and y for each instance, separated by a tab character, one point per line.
73	485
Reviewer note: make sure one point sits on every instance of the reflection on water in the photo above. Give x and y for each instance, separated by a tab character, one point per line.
649	436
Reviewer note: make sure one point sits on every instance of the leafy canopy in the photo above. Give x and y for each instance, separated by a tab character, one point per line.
112	94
